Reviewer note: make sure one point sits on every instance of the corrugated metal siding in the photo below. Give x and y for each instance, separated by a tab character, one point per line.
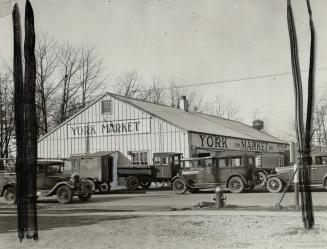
154	135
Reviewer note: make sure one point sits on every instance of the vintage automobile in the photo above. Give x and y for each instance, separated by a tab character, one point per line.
51	180
235	171
318	174
165	166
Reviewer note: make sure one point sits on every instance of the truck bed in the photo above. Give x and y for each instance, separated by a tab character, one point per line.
135	170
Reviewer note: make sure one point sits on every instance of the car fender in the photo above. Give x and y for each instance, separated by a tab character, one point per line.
178	177
325	180
12	184
235	174
54	189
278	176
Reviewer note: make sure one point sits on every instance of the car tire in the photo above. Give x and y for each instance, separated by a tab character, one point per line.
64	194
274	185
263	178
145	184
10	195
132	182
89	186
179	186
104	187
236	185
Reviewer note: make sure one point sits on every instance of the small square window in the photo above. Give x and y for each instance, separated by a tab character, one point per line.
106	107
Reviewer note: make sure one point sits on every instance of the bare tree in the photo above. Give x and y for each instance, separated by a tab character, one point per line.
46	53
157	91
320	131
69	66
130	84
6	111
195	101
222	109
89	74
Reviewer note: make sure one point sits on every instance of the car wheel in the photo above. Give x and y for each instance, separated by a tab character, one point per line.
89	187
263	178
274	185
132	182
179	186
104	187
10	195
236	185
64	194
145	184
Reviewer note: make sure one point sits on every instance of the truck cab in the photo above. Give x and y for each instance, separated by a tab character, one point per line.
167	164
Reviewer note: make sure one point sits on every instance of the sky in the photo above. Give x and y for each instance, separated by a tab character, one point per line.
191	41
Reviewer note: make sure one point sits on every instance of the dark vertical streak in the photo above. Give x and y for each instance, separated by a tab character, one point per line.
19	123
303	136
30	122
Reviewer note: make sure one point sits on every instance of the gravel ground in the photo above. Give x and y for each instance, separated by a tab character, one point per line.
193	229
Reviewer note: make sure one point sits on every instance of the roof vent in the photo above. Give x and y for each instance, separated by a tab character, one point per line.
258	124
183	103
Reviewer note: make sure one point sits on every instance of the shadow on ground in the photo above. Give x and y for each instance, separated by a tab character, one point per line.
9	224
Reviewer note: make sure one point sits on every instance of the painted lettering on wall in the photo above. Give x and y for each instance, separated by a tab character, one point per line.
108	128
220	142
213	141
251	145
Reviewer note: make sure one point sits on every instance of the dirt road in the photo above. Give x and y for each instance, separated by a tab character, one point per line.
161	219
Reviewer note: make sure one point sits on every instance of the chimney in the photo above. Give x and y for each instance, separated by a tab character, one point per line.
183	104
258	124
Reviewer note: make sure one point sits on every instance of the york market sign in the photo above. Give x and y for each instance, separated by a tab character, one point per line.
227	143
108	128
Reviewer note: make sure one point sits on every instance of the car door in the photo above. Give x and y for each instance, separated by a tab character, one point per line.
318	170
210	171
223	170
40	177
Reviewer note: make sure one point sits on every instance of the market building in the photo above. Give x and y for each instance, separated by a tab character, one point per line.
137	129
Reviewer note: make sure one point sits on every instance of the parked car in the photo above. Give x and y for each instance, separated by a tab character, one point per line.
318	174
51	180
235	171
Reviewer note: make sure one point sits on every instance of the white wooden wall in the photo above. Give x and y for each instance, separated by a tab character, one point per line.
159	137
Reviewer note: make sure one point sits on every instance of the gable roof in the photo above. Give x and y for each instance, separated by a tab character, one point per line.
199	122
189	121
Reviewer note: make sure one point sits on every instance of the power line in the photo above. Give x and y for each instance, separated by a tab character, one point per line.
238	80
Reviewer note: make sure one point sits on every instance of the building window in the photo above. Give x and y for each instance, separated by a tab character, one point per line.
106	107
140	157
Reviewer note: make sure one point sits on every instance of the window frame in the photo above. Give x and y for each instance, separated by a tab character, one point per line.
103	107
139	157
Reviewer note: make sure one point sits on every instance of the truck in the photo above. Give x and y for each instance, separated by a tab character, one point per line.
164	167
97	167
